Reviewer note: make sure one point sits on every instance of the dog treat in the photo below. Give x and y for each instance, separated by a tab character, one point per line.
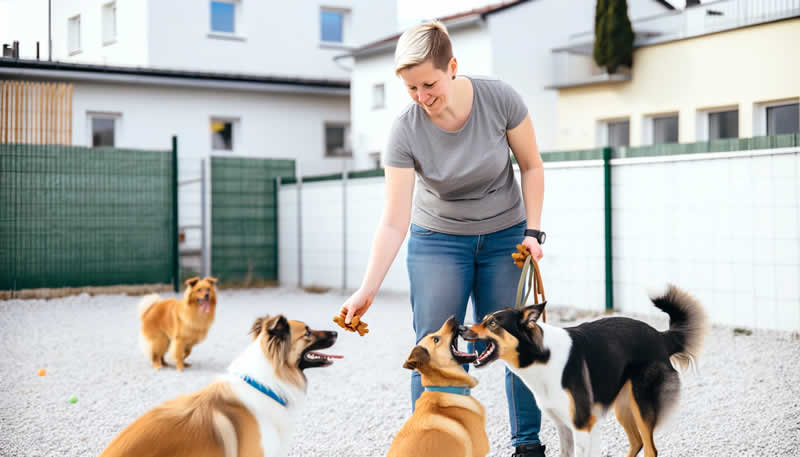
42	372
520	256
356	324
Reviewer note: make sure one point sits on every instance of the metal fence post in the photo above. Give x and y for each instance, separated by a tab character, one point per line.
608	235
175	255
299	225
276	256
344	224
203	222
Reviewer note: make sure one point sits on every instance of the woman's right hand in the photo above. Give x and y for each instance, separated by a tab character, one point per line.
356	305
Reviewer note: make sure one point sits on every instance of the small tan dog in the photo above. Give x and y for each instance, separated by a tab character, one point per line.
447	421
248	412
180	324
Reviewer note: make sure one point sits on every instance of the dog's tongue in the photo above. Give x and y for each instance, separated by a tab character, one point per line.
205	305
464	354
326	356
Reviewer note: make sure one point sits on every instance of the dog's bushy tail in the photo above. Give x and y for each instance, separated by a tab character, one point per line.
688	325
147	302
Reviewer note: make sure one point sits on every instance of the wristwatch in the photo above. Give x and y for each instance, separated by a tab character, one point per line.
538	234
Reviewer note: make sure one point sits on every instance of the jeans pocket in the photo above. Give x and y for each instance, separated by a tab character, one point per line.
420	231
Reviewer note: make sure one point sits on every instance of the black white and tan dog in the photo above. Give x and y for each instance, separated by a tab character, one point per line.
447	421
249	411
578	373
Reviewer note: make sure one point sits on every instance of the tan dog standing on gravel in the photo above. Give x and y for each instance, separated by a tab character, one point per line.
447	421
179	324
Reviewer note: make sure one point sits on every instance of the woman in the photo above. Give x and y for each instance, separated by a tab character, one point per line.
468	214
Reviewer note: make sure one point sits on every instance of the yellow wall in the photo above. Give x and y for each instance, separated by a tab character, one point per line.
740	68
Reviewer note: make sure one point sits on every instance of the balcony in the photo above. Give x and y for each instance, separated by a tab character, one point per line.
573	64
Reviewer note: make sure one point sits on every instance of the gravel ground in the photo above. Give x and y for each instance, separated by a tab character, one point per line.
745	400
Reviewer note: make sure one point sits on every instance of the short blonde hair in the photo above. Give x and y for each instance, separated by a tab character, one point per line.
422	42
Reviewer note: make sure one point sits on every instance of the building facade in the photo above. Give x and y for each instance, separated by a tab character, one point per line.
720	70
512	41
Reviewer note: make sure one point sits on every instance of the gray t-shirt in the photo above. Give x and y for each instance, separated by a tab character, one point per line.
465	179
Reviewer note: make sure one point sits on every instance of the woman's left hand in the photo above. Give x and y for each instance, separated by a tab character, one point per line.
533	246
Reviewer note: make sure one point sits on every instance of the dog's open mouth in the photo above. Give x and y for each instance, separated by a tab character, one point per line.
460	357
311	358
205	305
488	355
327	359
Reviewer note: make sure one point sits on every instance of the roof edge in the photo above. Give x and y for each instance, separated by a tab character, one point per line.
120	73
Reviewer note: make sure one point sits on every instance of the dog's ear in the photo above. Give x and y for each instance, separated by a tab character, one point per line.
531	314
255	330
210	279
278	327
192	281
419	356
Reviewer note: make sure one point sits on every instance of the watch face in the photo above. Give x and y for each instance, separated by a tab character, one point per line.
542	237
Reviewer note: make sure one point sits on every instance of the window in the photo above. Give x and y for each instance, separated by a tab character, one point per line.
665	129
783	119
378	96
74	35
723	124
375	157
336	141
222	135
618	133
103	129
109	23
223	16
332	24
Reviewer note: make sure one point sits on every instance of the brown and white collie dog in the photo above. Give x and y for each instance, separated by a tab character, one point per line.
179	323
578	373
249	411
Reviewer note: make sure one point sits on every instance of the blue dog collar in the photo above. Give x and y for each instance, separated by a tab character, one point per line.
448	389
263	389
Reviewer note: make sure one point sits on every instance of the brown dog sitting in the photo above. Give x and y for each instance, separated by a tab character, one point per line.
447	421
179	323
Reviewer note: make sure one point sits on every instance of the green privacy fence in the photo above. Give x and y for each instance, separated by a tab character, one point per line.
726	145
73	216
244	217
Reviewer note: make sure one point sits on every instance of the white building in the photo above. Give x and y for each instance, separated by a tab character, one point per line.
229	77
296	39
512	40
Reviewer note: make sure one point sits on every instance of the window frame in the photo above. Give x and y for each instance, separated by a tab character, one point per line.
109	6
760	114
703	127
235	132
72	47
114	116
602	131
649	134
345	13
382	104
719	112
346	147
238	22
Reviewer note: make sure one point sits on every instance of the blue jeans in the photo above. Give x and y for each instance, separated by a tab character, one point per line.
445	271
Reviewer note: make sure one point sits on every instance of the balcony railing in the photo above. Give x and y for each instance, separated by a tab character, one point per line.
573	63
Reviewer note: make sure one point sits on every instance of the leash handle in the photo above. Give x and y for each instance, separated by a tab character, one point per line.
533	276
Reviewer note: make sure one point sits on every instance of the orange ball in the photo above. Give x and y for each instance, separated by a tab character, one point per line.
42	372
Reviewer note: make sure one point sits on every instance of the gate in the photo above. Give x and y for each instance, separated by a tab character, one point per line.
244	218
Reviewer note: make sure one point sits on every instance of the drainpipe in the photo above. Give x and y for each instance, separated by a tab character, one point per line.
607	210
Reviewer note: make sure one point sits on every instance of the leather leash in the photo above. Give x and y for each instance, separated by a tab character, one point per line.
533	276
